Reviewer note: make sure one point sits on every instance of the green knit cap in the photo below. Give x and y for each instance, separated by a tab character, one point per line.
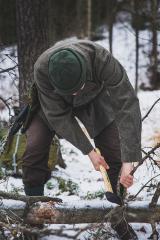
67	71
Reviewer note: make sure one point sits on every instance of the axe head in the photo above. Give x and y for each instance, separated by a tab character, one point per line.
112	197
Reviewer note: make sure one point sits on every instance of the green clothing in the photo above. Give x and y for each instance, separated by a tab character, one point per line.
107	96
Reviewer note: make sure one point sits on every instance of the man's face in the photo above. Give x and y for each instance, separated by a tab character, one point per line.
76	93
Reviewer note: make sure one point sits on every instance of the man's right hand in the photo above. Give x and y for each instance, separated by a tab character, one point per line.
97	160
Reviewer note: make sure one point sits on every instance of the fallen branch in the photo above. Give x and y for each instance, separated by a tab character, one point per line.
33	232
28	199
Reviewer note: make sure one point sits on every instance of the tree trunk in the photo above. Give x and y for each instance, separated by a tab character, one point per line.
111	12
32	39
137	46
94	211
111	36
155	77
89	17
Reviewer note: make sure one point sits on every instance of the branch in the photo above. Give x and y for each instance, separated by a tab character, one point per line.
142	188
15	229
147	155
150	109
151	158
6	104
8	69
28	199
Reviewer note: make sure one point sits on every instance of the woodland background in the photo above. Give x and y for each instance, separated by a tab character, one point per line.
130	29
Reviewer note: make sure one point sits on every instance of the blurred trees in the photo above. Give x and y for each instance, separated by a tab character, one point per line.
67	19
60	19
7	22
146	15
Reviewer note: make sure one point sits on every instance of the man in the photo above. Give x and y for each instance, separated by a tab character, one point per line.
79	78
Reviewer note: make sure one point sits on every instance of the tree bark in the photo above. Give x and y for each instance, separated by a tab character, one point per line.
94	211
32	39
89	18
112	10
155	81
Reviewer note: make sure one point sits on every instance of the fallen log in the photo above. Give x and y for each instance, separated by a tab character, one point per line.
93	211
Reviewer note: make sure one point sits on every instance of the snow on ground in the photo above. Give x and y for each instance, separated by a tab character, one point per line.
79	168
142	231
14	204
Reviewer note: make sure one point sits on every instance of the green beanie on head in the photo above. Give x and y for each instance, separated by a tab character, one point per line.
67	71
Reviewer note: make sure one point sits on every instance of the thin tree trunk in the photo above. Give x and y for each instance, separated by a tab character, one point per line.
112	10
155	82
89	18
111	36
137	47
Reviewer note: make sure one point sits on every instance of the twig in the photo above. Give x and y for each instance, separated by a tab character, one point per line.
6	104
8	69
7	55
147	155
150	109
131	199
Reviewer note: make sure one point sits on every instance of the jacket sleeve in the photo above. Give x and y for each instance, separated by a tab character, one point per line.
125	105
59	114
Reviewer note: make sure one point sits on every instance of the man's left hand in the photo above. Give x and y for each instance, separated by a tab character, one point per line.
126	179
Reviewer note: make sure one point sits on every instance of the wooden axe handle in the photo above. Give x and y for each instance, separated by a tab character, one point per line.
107	183
105	177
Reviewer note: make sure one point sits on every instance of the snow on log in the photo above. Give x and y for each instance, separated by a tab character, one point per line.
93	211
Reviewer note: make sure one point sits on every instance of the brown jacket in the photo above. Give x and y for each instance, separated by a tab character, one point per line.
107	96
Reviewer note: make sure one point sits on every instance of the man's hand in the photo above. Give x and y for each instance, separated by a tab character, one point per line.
97	160
126	179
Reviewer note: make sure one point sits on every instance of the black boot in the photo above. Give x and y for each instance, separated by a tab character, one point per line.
34	191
